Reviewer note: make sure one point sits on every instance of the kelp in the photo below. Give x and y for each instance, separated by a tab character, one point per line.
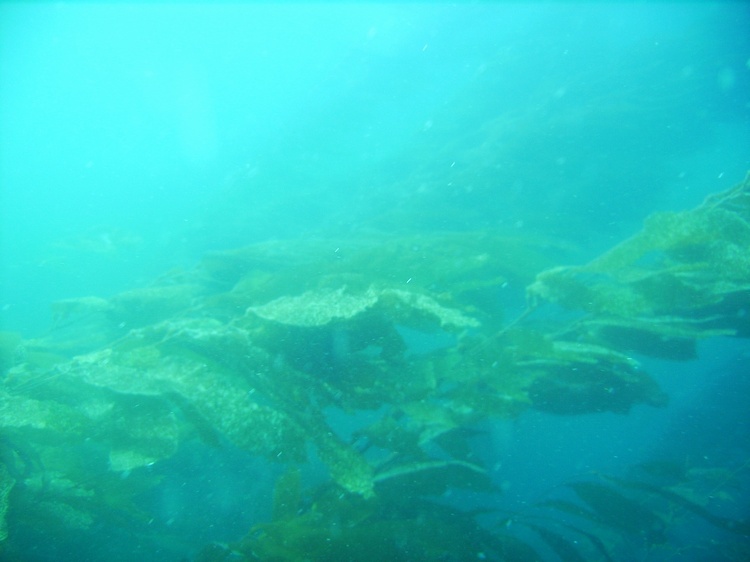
609	514
318	308
556	374
260	348
434	477
595	541
620	512
391	526
459	262
741	527
43	416
561	546
567	546
633	508
148	363
672	280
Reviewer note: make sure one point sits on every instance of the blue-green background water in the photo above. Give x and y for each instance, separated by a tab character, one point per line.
134	138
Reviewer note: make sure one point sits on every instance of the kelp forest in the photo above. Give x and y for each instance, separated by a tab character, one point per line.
362	372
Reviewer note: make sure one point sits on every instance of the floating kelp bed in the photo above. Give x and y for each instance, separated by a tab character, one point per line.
254	348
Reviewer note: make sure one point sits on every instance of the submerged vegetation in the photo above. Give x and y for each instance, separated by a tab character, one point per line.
258	347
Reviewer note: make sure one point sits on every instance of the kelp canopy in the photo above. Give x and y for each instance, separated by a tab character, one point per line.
256	347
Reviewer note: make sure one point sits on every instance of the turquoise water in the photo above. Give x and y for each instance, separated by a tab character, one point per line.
190	164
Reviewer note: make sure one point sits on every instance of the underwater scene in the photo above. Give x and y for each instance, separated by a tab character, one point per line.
300	282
